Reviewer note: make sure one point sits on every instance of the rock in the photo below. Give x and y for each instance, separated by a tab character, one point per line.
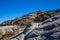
38	31
38	25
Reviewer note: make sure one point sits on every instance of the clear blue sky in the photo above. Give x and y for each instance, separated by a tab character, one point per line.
10	9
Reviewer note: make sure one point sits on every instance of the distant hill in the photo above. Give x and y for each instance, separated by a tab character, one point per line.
37	16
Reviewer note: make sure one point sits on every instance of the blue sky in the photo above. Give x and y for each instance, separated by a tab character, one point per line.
9	9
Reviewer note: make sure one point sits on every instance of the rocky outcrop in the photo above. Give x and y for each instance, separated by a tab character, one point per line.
8	31
38	25
46	30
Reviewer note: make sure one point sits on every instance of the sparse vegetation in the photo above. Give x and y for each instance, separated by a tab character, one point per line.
37	16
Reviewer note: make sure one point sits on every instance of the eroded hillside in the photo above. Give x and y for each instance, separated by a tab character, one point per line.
39	25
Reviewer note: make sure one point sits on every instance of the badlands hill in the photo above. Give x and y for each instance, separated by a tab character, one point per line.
39	25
